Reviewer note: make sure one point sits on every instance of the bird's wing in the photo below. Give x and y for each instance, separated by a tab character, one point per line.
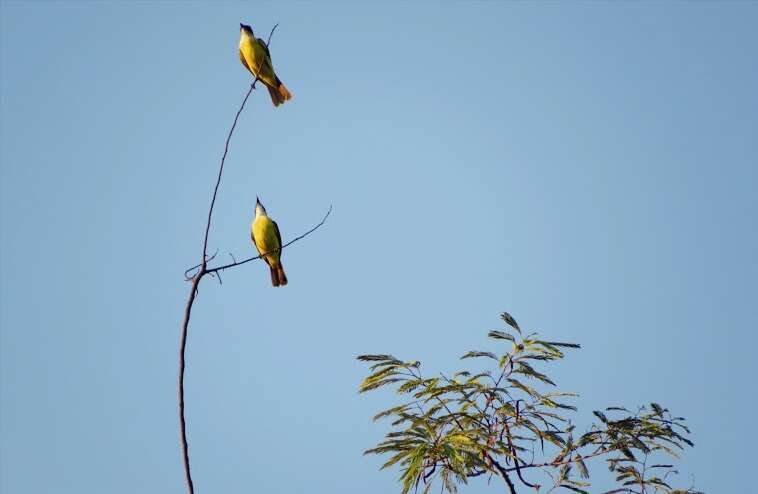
278	236
265	47
266	64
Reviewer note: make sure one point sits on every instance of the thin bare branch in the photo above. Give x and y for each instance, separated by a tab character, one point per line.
218	179
271	34
182	348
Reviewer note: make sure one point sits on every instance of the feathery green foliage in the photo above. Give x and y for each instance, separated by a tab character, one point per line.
510	421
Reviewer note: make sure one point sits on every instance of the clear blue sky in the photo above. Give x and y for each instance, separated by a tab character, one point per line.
589	167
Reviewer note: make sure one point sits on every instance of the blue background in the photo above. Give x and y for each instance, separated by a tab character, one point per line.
588	167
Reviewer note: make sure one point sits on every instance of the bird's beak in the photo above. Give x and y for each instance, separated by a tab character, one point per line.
257	201
240	25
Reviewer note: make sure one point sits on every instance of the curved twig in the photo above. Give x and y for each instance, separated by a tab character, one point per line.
218	179
271	34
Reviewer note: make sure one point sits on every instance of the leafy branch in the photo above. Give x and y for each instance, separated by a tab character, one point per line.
511	421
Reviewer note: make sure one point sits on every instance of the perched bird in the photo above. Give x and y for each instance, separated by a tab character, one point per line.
256	58
266	238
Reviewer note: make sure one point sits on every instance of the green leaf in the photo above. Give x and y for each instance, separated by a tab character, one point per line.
499	335
554	438
581	466
389	411
528	370
413	472
377	384
523	387
628	453
380	374
561	344
409	386
375	358
474	354
510	321
394	459
564	472
600	415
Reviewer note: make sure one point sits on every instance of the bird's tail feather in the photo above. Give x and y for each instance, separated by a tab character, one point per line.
279	93
282	277
276	98
278	278
275	276
284	93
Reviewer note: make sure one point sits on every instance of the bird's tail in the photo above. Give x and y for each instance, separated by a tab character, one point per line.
283	91
278	278
282	276
279	93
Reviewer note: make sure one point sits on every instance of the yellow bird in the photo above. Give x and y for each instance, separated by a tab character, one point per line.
256	58
266	238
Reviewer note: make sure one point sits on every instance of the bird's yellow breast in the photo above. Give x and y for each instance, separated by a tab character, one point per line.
256	59
266	239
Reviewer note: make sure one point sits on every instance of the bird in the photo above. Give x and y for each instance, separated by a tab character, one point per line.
265	235
256	58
